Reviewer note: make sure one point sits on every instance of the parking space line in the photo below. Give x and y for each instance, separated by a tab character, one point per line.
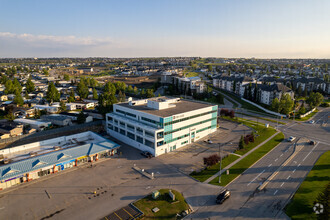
128	213
282	184
269	165
293	170
117	215
275	192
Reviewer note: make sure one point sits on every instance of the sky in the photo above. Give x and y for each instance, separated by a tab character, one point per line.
163	28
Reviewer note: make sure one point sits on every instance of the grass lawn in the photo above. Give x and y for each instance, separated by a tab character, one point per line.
210	171
244	104
301	205
246	162
261	130
167	209
307	117
262	118
263	133
191	74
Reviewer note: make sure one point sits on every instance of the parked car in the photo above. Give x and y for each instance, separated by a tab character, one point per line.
146	154
312	142
223	196
311	122
291	138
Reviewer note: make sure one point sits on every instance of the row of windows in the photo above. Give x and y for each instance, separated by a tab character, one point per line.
188	126
187	118
178	138
200	130
184	142
150	120
125	113
132	136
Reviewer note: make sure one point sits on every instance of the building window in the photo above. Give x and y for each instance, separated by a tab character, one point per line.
131	135
160	135
160	143
149	134
110	126
130	127
122	132
139	139
109	118
116	129
149	143
139	130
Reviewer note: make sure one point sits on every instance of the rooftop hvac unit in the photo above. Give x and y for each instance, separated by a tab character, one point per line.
32	154
57	147
6	161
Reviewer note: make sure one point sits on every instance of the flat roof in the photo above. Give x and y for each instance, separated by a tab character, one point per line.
181	107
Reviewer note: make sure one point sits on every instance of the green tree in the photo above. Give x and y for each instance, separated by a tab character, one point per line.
120	86
130	89
26	95
66	77
305	92
16	86
275	106
95	95
286	104
109	88
45	71
150	93
71	97
135	90
143	93
241	143
106	101
8	87
314	99
18	99
37	113
302	109
52	94
299	91
82	89
29	85
121	96
209	68
81	118
62	106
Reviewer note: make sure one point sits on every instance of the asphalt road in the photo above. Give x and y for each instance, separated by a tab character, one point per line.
247	202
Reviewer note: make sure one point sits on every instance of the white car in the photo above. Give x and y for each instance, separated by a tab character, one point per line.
291	138
311	122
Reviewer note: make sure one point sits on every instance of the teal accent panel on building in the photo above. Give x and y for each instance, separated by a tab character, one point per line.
167	128
215	107
214	115
213	122
168	119
168	137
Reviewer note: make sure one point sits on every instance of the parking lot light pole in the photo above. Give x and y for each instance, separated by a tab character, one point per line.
220	163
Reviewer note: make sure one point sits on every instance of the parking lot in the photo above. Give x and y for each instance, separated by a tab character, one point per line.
86	192
190	157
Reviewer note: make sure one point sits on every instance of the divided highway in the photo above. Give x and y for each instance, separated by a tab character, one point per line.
247	202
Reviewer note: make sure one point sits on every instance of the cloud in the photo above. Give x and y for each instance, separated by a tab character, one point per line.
52	40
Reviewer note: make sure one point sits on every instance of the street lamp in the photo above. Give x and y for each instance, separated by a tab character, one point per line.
220	163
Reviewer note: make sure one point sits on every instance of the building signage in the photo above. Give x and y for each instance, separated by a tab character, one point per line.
13	178
178	116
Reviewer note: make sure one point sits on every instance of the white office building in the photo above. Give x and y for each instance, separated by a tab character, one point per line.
160	125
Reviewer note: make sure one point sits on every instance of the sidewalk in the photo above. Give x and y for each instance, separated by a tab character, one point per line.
236	161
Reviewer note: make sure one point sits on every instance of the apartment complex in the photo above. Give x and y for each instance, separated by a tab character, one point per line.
160	125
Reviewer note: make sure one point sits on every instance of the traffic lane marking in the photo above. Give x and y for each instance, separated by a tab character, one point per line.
310	151
256	177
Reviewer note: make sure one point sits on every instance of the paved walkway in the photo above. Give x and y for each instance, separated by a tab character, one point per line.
236	161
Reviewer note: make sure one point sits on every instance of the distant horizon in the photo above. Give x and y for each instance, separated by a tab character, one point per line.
295	29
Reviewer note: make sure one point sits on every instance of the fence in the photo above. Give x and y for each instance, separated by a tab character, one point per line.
262	108
307	113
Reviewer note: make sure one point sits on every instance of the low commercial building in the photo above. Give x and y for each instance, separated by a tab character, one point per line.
59	120
160	125
38	125
31	161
